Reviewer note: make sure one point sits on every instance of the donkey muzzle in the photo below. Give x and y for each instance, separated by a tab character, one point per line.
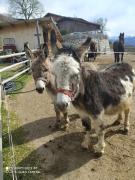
40	90
40	86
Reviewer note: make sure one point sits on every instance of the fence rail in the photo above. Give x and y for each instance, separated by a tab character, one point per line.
2	82
12	66
14	55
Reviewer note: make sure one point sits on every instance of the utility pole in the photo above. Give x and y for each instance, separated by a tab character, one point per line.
37	33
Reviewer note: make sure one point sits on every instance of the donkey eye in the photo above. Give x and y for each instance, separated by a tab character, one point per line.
44	69
75	77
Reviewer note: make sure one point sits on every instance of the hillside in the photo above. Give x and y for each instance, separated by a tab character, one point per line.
129	40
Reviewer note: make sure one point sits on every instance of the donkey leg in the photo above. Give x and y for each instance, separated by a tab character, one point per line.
118	57
86	122
66	120
126	121
115	57
99	128
86	141
121	57
118	120
58	117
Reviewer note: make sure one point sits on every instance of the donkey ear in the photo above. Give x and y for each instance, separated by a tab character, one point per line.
56	47
83	48
29	53
44	50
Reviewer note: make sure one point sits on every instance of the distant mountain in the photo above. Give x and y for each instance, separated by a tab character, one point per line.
129	40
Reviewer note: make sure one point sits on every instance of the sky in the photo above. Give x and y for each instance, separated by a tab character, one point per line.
120	14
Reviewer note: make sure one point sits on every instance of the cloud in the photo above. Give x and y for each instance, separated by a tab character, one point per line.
120	14
3	6
2	10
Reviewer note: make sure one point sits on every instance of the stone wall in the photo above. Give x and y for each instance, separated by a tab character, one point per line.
76	39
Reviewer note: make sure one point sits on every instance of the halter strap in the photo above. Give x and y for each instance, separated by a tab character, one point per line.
43	79
66	92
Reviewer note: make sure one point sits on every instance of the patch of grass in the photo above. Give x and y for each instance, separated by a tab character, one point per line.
24	155
2	65
9	73
21	81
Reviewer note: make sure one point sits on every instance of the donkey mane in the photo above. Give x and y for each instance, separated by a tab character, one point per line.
68	50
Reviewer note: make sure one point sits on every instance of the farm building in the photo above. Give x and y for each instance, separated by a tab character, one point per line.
14	33
70	24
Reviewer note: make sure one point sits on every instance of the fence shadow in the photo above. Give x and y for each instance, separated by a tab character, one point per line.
34	130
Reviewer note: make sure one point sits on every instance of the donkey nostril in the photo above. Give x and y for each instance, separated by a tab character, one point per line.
40	90
62	106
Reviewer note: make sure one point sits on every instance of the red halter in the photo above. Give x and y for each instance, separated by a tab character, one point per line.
66	92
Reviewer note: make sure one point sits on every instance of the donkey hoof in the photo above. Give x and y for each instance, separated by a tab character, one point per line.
125	132
56	126
64	127
98	154
99	149
85	146
116	123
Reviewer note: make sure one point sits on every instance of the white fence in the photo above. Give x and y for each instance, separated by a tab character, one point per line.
2	82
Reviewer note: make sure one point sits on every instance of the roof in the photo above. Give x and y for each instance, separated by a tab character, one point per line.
56	17
6	18
78	20
43	21
59	18
23	21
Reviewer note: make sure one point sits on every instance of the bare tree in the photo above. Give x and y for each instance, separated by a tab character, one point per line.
26	9
102	22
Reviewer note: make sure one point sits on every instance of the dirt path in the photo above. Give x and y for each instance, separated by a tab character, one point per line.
60	152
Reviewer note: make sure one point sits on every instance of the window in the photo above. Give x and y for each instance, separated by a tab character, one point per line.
8	41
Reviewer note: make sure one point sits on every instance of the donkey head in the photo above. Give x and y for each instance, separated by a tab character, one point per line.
66	69
40	66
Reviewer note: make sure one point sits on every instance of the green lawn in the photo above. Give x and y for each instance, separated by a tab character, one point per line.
22	150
